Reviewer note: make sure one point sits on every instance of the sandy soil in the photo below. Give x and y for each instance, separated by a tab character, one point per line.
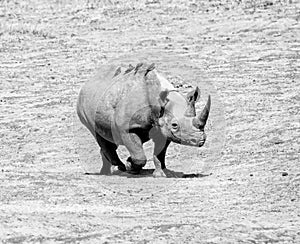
244	53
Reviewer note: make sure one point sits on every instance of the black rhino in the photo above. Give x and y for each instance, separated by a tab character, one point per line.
129	106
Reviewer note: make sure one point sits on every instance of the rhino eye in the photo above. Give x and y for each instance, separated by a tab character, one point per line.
174	125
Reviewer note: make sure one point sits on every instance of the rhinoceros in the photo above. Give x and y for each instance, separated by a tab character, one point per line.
131	105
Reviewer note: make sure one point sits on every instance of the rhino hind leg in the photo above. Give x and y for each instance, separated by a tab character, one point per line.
110	158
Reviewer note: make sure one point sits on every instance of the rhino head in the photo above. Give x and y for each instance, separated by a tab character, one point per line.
179	121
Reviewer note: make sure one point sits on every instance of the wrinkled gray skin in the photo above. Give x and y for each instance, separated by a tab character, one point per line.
129	106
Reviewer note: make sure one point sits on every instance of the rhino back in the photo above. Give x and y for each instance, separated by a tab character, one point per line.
117	102
131	97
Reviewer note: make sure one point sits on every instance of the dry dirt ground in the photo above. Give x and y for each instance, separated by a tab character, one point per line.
244	53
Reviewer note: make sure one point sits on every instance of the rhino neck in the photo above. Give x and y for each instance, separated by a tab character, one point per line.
165	84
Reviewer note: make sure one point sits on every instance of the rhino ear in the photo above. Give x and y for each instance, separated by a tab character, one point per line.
163	100
193	96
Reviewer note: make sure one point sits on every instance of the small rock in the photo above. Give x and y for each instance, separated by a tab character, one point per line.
278	141
284	174
251	174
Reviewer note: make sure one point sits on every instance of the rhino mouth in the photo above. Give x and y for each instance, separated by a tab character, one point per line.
175	138
194	142
190	142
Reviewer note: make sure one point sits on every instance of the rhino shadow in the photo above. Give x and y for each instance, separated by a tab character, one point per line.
149	173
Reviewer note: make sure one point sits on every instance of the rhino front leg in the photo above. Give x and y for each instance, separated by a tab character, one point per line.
134	145
160	149
161	144
110	158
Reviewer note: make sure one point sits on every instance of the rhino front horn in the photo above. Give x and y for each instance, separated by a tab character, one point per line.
205	112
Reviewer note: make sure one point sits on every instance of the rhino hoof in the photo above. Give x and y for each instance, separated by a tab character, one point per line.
159	173
128	166
130	169
122	167
114	170
133	167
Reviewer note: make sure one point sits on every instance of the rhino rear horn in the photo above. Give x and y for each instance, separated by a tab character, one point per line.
205	112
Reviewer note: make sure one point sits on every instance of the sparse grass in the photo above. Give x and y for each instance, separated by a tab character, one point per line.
21	30
248	50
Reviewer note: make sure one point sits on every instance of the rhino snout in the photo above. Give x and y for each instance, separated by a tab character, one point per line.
194	141
197	142
201	143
